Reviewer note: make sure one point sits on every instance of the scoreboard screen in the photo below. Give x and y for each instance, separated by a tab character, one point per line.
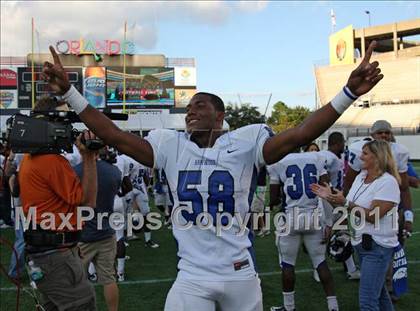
145	87
41	87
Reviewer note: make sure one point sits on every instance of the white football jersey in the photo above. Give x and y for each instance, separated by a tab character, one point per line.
296	172
137	172
335	168
399	152
123	164
213	180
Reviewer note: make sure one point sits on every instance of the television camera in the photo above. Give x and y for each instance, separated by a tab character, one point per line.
49	132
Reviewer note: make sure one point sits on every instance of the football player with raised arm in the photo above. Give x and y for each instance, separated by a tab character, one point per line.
214	172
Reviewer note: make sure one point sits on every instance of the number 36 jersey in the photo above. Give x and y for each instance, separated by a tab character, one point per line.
297	171
212	181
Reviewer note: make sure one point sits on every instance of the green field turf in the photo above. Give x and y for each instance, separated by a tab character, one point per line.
150	273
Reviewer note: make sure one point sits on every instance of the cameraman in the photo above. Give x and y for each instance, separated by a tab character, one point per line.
49	184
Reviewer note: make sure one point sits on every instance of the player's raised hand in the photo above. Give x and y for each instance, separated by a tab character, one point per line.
366	75
55	74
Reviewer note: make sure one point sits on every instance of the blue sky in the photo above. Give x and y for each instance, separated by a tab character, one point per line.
258	47
272	50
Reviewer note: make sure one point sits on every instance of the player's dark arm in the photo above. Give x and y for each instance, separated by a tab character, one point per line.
130	144
126	185
361	81
349	179
405	191
406	202
413	179
413	182
127	143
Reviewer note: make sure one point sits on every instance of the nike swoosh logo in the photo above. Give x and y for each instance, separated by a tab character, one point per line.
230	151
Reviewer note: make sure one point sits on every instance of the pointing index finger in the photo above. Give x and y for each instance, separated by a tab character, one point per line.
369	51
55	56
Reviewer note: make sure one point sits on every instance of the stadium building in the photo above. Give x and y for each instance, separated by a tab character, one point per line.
157	88
396	98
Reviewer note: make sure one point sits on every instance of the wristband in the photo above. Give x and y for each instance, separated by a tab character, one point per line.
75	100
409	215
343	100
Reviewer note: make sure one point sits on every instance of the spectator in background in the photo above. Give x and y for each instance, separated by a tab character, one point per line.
375	188
98	244
5	202
17	260
311	147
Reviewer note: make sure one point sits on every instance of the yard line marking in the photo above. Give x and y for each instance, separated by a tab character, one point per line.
157	281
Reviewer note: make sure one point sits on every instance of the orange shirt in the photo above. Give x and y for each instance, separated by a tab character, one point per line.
49	183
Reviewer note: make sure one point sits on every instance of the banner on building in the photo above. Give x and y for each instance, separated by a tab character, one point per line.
183	96
94	86
8	99
8	78
185	76
342	47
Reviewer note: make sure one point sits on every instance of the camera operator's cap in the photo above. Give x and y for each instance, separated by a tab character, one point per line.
381	125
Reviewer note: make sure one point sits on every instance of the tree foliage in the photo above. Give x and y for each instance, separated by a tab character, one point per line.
238	116
284	117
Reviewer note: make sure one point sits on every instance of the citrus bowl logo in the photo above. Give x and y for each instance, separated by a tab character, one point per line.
185	74
340	49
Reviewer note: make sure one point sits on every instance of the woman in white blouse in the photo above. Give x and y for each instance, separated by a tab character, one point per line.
372	204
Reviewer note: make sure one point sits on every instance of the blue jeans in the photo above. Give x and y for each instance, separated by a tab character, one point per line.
374	264
19	246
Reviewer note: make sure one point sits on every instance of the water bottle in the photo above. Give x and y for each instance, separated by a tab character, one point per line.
35	273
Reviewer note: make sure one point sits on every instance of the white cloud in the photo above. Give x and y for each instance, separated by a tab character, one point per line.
104	20
252	6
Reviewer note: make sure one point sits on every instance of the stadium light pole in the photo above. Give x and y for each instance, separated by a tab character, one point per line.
368	14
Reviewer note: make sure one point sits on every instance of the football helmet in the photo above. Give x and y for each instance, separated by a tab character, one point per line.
339	247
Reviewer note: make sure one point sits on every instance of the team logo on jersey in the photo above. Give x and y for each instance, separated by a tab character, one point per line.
233	150
205	161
